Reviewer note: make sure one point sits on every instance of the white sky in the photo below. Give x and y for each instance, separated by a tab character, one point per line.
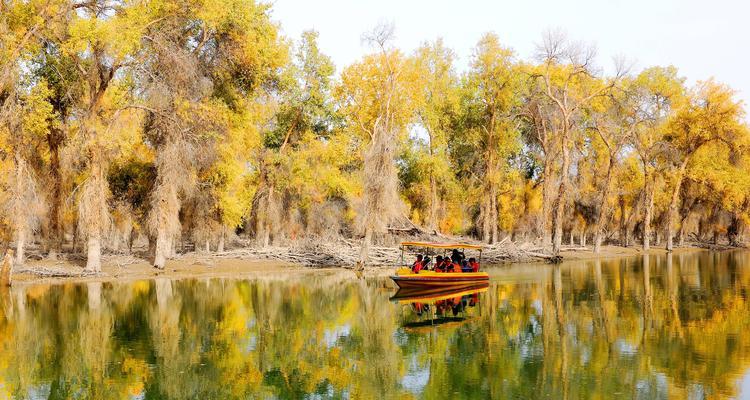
702	38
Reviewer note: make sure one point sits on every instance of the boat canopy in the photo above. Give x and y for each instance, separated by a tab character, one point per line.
442	245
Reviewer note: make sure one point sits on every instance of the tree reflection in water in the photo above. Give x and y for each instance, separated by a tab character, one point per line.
649	327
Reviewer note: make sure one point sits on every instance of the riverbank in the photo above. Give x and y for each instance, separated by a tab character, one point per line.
247	263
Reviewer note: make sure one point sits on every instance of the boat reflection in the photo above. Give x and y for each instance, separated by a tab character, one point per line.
439	306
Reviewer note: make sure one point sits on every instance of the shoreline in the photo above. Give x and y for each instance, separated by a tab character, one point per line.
230	264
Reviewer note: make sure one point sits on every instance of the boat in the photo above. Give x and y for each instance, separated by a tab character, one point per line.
405	278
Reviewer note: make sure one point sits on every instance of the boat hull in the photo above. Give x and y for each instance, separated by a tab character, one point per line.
440	279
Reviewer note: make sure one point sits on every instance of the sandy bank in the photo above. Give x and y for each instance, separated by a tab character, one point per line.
197	265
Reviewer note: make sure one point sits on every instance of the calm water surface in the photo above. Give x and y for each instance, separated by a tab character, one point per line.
657	327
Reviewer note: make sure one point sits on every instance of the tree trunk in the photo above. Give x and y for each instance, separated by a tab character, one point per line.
19	209
649	206
161	249
54	140
546	206
6	271
365	251
623	223
432	218
485	214
94	253
95	209
20	244
493	215
559	206
673	203
572	242
583	237
220	246
208	246
602	206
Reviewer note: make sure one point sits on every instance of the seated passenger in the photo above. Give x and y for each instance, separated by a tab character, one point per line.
426	263
417	266
439	264
465	267
456	267
474	264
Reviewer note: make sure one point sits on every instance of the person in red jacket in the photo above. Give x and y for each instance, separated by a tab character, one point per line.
474	264
417	266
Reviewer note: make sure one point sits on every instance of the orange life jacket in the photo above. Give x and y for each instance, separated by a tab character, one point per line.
456	267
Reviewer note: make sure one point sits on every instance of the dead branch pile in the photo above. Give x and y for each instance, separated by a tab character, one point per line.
55	272
346	253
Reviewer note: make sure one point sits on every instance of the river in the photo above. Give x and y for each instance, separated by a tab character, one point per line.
653	327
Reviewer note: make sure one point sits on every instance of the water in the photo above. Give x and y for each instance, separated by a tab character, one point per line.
625	328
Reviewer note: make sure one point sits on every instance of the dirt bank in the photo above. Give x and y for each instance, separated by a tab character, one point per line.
239	263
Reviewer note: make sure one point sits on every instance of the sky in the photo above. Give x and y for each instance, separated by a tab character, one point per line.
703	39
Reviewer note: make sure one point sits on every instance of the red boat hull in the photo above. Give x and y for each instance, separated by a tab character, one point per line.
446	279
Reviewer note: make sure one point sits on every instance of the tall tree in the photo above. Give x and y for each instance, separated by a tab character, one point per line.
375	98
711	114
305	112
658	92
489	100
203	68
436	104
613	121
567	77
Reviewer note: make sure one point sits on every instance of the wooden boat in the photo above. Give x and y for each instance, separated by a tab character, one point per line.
406	278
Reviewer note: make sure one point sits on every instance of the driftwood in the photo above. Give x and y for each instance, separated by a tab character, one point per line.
7	269
346	253
55	272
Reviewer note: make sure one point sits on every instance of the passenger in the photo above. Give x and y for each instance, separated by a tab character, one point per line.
456	267
474	264
465	267
417	266
439	264
426	263
456	256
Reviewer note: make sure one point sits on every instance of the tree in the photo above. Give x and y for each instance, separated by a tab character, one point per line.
711	114
613	123
566	74
24	111
658	91
203	67
436	104
375	99
488	130
305	114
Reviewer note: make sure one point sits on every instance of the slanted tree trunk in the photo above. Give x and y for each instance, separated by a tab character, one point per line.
6	270
673	203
